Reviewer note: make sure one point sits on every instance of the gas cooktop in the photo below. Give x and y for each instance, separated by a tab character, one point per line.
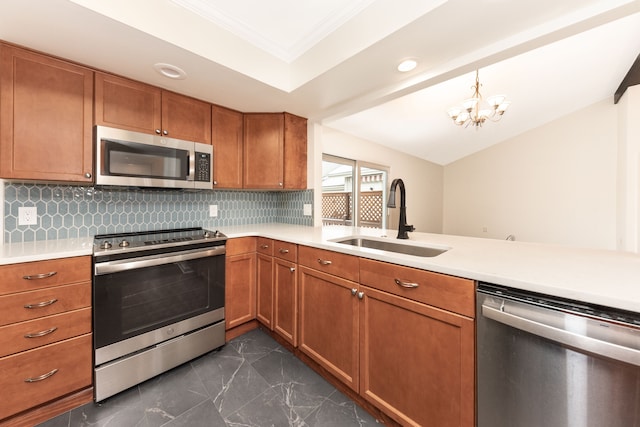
143	240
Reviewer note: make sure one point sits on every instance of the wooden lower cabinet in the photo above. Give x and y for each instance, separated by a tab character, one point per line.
329	323
416	361
285	300
37	376
240	282
412	360
264	301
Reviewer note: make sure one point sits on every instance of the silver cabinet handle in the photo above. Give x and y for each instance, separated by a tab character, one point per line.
40	276
158	131
404	284
41	377
354	291
293	269
87	175
571	339
263	246
165	132
41	304
360	295
324	262
41	333
283	251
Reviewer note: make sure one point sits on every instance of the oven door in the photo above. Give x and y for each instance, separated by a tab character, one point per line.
139	302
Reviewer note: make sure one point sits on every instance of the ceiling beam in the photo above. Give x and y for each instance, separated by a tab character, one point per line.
631	79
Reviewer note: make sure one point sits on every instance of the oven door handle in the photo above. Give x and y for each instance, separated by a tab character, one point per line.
110	267
571	339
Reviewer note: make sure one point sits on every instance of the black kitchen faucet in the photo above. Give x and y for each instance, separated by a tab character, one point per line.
403	227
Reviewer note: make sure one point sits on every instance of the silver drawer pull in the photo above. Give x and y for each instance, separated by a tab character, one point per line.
41	377
284	251
324	262
41	304
263	246
40	276
41	333
406	284
292	269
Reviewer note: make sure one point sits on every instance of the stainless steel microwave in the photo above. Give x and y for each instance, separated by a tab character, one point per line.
134	159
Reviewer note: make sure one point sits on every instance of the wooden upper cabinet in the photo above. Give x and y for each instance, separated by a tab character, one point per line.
127	104
226	135
186	118
295	152
45	118
275	151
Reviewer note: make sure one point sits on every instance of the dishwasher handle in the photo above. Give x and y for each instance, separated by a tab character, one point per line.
571	339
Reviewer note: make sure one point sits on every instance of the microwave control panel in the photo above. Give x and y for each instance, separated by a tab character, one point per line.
203	167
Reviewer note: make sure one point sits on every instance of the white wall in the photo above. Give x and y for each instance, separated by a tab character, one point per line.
422	179
554	184
628	232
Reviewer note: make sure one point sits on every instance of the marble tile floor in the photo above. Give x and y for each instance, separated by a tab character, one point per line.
251	381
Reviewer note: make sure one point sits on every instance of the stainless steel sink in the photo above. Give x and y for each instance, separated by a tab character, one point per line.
383	245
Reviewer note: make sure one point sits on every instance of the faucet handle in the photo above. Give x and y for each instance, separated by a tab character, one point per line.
410	227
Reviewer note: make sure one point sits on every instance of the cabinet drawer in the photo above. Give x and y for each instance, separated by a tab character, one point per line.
43	274
335	263
265	246
44	302
55	370
439	290
241	245
285	250
36	333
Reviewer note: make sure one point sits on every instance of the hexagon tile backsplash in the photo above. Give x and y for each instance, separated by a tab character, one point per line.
66	211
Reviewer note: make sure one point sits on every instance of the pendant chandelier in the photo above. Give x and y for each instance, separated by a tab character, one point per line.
474	113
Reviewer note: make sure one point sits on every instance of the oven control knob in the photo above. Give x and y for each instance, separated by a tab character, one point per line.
124	243
207	234
106	245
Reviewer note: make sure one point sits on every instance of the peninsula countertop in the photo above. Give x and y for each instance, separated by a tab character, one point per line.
609	278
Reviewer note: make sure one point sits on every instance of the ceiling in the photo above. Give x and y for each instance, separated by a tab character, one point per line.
334	61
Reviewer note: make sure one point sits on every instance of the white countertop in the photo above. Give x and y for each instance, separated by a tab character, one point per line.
602	277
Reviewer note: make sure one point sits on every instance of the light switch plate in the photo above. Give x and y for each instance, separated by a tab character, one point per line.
307	209
27	215
213	211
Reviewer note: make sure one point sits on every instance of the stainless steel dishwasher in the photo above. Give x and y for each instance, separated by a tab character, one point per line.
548	362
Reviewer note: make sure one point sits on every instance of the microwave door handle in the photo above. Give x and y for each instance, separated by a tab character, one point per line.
191	159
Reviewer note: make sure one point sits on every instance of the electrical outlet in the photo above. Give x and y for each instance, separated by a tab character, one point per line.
307	209
27	215
213	211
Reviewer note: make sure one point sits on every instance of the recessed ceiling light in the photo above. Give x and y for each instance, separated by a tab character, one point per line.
407	65
170	71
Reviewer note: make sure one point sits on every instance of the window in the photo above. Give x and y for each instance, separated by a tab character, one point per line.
343	202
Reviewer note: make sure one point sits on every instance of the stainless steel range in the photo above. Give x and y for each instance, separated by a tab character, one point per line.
158	302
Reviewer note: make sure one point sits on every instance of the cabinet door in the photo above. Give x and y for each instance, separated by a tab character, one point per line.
127	104
329	323
46	114
240	289
226	135
263	151
285	300
295	152
416	361
264	309
186	118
